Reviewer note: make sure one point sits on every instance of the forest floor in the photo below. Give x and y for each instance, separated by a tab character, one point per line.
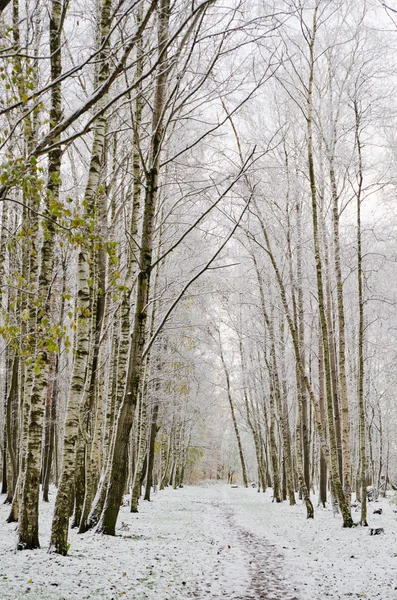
209	541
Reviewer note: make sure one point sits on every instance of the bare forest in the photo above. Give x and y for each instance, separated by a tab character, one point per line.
198	286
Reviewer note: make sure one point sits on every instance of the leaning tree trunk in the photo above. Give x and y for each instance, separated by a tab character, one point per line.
232	411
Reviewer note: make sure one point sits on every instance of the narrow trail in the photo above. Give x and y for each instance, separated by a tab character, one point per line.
263	562
266	566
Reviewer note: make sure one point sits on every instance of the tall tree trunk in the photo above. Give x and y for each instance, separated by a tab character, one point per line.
361	404
54	400
299	455
334	382
300	327
119	462
3	298
60	522
92	406
287	442
322	499
28	530
346	466
157	386
141	448
29	267
152	441
12	402
77	492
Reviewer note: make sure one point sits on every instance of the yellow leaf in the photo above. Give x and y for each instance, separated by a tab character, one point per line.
30	581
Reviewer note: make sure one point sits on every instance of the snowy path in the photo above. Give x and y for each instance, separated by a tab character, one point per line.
209	542
253	553
266	564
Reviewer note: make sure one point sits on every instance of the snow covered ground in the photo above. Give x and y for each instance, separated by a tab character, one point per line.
209	542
